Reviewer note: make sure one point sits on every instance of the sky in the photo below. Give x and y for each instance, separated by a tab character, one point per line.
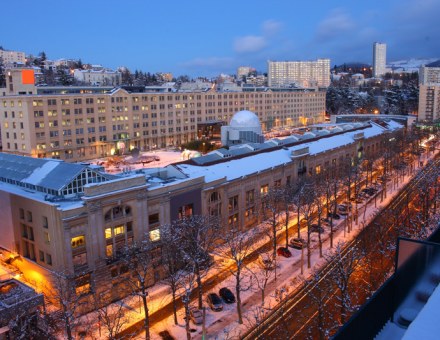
206	38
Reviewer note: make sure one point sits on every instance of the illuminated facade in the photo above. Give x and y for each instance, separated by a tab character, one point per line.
306	74
80	123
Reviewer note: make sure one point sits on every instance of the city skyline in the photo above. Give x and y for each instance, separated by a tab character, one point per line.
190	38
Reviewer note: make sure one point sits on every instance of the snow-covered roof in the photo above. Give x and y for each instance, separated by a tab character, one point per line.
236	168
38	173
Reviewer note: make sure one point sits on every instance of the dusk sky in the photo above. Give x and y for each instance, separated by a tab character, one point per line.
210	37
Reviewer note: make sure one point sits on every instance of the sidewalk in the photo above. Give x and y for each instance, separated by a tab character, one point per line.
223	324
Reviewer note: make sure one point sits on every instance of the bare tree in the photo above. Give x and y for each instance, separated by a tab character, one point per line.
172	260
197	236
187	284
237	246
137	258
110	316
320	293
63	293
262	273
345	263
271	208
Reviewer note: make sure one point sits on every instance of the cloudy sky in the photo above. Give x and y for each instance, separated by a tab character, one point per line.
206	38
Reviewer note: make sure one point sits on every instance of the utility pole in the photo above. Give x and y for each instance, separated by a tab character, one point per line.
203	323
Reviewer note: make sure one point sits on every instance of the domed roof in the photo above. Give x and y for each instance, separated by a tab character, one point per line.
245	119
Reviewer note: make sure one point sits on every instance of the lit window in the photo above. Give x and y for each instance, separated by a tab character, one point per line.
108	233
109	250
155	235
118	230
78	241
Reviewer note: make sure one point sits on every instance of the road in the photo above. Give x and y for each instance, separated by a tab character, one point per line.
299	315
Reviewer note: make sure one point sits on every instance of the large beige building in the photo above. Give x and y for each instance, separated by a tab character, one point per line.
429	92
307	74
74	218
79	123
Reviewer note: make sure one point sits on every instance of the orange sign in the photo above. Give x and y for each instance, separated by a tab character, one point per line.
27	77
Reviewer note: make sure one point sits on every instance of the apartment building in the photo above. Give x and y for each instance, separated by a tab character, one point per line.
10	57
429	92
306	74
379	59
80	123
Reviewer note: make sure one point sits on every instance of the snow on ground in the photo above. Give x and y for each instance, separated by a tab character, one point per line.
224	325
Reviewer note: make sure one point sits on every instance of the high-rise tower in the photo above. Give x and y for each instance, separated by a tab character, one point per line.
379	59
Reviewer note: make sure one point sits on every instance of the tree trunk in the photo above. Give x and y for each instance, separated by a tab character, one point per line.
237	292
147	317
199	285
173	291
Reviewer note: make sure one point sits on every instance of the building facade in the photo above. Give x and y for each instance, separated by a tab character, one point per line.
379	59
429	92
79	123
75	219
10	57
306	74
98	77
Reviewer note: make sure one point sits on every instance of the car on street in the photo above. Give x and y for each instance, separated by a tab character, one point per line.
333	216
227	295
214	302
196	316
297	243
314	228
165	335
283	251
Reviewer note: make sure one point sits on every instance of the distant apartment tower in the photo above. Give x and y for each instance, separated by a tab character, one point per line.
12	57
244	71
301	73
429	92
379	59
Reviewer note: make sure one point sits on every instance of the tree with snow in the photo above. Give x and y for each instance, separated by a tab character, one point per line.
197	237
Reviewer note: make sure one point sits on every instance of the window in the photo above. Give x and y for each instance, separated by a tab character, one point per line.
78	241
82	285
41	255
48	259
264	189
318	169
118	230
21	213
29	216
186	211
109	250
233	203
277	184
250	197
108	233
154	235
46	237
153	218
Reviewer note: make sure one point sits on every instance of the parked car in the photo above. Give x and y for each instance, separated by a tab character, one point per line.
314	228
267	261
297	243
333	216
227	295
196	316
343	208
165	335
214	302
283	251
325	221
